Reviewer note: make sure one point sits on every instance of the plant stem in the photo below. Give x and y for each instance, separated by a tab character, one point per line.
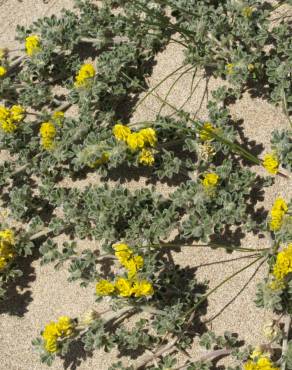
199	126
167	347
172	86
155	87
173	245
207	357
193	309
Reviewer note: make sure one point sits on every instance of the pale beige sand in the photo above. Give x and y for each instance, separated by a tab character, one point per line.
50	295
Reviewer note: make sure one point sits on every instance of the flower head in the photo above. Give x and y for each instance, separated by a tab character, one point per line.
271	163
121	132
206	131
142	288
104	158
104	287
247	11
210	180
277	214
133	265
283	265
48	133
124	287
58	117
84	75
3	71
146	157
230	68
9	117
7	252
122	252
135	141
17	113
32	45
53	331
149	136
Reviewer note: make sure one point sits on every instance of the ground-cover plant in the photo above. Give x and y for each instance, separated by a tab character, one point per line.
97	59
238	40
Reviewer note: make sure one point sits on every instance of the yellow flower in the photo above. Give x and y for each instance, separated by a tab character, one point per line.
32	45
146	157
3	71
230	68
102	160
271	163
133	265
277	214
104	287
7	242
124	287
8	117
17	113
206	131
142	288
121	132
58	117
4	113
210	180
64	326
251	67
135	141
48	133
149	136
84	76
283	265
122	252
260	362
54	330
247	11
50	336
8	126
276	285
7	235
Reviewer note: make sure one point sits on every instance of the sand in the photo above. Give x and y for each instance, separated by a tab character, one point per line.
45	293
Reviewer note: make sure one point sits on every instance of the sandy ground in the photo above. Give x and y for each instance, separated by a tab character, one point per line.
46	294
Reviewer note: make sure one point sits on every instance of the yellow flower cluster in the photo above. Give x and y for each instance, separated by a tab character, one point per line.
32	45
271	163
48	132
3	71
55	331
58	117
3	56
10	117
206	132
283	265
259	361
230	68
84	76
146	157
6	247
277	214
130	286
247	11
102	160
138	141
210	180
